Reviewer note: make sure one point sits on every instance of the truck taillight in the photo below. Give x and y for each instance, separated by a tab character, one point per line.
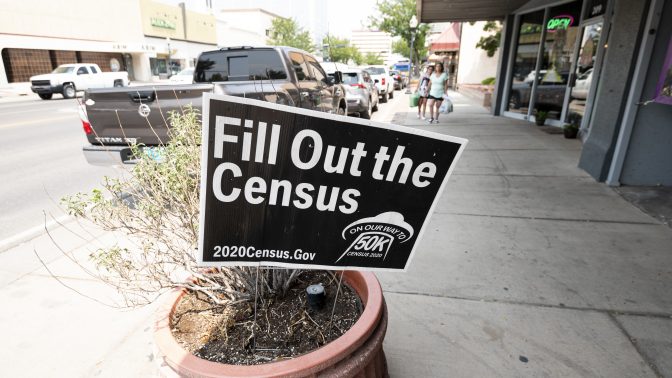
383	81
87	127
358	85
85	120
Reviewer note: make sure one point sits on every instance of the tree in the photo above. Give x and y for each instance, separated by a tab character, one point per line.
400	47
490	43
286	32
340	50
394	18
372	58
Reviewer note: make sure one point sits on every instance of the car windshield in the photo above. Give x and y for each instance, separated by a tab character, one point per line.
63	69
376	70
350	78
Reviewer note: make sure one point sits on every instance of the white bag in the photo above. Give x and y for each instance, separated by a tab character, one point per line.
447	105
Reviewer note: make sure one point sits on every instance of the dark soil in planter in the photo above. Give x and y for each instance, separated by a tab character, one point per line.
286	327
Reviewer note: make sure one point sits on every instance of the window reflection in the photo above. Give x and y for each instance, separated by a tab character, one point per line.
525	62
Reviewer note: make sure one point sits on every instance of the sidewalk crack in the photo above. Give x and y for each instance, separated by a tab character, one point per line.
611	312
649	362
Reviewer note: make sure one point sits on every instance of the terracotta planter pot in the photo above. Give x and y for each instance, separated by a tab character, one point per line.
357	353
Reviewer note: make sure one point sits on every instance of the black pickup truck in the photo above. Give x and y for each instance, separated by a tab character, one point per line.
115	118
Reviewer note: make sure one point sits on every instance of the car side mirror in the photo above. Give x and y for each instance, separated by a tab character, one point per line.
330	80
338	77
375	81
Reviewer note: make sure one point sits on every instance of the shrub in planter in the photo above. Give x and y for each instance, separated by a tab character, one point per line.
488	81
540	117
570	131
156	209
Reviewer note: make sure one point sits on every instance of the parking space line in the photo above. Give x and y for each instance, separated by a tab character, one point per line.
43	120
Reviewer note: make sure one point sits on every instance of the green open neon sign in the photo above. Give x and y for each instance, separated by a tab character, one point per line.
562	22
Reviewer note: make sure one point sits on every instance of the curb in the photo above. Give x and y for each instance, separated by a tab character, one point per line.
33	232
19	98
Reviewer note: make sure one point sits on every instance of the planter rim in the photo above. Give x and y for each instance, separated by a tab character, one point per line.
364	283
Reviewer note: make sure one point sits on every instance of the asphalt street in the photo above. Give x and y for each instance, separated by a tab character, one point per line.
40	161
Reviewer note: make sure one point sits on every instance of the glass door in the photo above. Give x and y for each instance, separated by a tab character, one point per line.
584	78
562	28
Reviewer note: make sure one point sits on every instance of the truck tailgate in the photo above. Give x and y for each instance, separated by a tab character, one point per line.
119	116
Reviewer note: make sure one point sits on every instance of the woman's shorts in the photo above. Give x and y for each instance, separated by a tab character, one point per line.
434	98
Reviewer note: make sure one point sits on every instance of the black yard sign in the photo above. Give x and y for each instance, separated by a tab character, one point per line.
291	187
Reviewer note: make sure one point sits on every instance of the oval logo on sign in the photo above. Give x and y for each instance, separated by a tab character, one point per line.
144	110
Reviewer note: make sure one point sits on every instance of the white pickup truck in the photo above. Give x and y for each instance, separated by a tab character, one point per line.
384	82
67	79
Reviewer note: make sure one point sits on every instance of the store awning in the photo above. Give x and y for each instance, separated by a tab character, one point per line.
465	10
449	40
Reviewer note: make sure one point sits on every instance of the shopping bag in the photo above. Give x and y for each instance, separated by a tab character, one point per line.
446	106
415	97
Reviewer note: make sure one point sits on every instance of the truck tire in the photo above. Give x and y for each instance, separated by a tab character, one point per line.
392	94
374	108
118	83
69	91
383	98
45	96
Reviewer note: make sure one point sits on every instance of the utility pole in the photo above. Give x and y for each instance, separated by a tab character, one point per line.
169	69
413	23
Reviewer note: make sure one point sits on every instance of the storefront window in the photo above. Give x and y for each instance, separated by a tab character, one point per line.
584	73
529	37
158	66
562	29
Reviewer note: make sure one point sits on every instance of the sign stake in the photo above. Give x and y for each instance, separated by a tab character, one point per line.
333	308
254	326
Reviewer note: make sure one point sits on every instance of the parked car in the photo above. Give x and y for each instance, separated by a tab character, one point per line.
399	82
67	79
281	75
530	76
549	95
381	76
582	85
331	67
361	92
186	76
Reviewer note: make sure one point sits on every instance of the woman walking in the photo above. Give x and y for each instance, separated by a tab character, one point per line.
438	85
423	91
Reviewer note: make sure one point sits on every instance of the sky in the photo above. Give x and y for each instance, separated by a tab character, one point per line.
343	16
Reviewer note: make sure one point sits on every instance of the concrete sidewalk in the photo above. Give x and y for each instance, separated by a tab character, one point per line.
529	268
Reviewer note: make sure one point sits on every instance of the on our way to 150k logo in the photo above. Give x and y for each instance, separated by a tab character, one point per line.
373	237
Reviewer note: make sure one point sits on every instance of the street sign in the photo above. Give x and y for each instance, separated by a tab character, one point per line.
292	187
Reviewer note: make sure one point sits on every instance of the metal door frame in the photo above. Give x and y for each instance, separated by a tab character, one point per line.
586	121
